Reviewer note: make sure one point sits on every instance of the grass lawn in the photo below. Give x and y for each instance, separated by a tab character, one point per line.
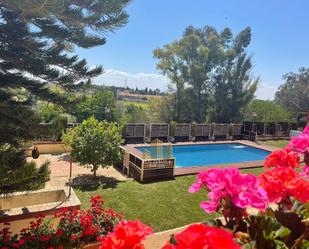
276	143
162	205
143	105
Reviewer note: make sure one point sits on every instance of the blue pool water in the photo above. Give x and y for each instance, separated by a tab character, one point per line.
209	154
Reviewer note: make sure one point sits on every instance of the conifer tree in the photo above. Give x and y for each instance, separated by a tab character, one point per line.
37	42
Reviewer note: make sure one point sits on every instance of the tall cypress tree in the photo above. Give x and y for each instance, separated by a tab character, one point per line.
37	41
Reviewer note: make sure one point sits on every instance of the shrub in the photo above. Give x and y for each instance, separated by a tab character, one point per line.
19	175
94	143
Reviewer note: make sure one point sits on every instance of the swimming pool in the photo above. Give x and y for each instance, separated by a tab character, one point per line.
209	154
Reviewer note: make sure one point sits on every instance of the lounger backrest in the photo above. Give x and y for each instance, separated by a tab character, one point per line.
135	130
182	130
159	130
202	130
220	129
236	129
140	130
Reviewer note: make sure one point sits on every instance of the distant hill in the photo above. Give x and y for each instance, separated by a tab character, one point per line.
128	90
127	96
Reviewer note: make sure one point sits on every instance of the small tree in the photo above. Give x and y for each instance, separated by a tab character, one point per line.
94	143
97	106
267	111
293	94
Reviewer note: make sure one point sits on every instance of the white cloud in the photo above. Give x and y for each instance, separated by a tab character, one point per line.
266	91
152	80
140	80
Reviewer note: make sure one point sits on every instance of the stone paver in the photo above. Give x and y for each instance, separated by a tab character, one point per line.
60	169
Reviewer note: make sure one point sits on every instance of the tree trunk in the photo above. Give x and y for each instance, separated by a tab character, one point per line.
199	100
177	103
95	172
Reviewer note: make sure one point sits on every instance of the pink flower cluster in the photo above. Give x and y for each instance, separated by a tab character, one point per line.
230	186
289	157
300	143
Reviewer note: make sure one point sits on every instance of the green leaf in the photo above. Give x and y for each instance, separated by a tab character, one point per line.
304	244
292	221
280	245
268	232
282	232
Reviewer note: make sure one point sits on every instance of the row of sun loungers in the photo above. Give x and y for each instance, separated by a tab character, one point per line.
270	129
137	133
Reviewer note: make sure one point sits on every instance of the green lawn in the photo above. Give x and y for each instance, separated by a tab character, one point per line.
276	143
143	105
162	205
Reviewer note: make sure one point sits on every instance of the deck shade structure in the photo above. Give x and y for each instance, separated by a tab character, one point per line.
202	132
159	131
182	132
220	131
237	131
147	169
158	150
135	133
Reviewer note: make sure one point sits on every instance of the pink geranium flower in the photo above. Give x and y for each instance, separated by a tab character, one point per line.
300	142
242	190
305	171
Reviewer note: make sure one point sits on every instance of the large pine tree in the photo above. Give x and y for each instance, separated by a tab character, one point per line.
37	42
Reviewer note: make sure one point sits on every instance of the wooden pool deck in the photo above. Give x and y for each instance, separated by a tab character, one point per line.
195	169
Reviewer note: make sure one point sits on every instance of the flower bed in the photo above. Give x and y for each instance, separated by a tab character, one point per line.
230	193
76	228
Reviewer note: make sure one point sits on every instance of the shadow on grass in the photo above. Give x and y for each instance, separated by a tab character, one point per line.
91	183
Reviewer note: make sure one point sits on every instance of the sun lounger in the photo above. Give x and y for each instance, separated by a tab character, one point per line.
135	133
202	132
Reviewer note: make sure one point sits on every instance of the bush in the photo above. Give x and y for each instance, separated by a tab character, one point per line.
94	142
19	175
267	111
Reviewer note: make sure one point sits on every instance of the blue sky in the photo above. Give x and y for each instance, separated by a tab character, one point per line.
280	38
